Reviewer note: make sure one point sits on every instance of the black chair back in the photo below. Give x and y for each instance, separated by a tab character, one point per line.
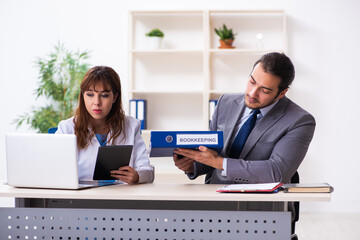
295	179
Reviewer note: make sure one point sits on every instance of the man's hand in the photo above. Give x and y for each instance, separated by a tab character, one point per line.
205	155
184	163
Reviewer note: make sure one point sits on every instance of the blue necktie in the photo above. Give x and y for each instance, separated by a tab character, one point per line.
243	135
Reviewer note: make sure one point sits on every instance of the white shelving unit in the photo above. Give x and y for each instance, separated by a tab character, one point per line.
179	79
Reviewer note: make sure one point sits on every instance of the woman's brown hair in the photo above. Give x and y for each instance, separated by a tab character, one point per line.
114	120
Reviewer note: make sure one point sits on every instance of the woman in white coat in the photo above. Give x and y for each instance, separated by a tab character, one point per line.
100	120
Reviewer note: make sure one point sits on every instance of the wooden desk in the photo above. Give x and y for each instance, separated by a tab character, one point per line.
149	211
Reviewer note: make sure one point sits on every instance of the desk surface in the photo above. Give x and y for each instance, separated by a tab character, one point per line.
157	191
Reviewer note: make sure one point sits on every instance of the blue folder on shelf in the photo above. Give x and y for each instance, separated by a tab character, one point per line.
138	110
163	143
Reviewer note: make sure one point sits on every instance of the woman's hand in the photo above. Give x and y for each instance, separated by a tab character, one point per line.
126	174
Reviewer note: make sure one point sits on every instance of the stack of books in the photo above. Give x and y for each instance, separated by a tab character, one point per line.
308	188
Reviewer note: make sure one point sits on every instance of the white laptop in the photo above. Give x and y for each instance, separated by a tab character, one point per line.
43	161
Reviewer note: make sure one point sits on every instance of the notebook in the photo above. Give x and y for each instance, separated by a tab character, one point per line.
44	161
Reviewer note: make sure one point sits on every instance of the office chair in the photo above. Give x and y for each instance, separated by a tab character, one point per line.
295	179
52	130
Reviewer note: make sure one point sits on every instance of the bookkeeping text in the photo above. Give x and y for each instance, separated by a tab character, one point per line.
196	139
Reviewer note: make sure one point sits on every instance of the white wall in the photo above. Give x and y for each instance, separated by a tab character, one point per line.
323	43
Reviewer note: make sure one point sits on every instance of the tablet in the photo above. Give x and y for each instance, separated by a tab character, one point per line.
111	158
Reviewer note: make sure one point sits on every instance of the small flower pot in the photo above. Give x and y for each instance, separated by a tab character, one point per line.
154	42
226	43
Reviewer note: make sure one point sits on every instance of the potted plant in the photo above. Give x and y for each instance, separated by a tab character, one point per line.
60	76
155	38
226	37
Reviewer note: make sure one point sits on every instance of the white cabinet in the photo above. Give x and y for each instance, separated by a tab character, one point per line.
180	78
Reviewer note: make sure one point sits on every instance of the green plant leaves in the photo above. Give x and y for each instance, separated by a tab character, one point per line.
224	33
60	75
155	33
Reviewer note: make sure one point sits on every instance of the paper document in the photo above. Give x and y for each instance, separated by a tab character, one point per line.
259	187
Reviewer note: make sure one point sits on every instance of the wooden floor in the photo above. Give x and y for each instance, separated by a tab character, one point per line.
329	226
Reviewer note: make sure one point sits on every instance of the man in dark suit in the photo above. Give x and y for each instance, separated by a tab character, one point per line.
276	145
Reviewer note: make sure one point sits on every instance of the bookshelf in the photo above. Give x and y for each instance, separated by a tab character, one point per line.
179	79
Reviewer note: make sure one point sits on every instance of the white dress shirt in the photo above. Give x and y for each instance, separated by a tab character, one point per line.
87	157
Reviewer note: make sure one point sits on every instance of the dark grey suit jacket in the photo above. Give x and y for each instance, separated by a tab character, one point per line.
274	150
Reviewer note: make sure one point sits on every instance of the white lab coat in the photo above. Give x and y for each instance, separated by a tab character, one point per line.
87	157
